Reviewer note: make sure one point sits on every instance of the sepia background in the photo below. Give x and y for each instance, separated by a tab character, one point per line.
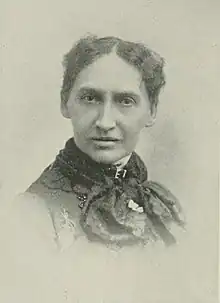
181	150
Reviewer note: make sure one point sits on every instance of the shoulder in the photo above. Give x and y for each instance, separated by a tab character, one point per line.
166	208
50	181
56	205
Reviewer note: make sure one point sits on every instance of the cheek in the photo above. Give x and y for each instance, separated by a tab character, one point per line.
133	126
132	132
82	118
137	121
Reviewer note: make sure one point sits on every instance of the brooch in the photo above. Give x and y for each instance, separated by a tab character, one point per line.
135	207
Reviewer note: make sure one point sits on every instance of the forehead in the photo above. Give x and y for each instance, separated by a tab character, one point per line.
110	73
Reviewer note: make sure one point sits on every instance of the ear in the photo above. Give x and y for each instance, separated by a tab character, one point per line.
152	116
64	110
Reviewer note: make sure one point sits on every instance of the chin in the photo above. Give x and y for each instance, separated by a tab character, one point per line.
106	157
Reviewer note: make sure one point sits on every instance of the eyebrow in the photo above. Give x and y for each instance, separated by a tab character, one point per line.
87	89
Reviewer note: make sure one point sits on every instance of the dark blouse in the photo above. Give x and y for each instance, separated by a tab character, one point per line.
104	204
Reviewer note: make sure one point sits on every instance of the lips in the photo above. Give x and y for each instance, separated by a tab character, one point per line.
105	142
105	139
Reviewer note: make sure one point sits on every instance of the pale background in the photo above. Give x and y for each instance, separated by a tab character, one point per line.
181	150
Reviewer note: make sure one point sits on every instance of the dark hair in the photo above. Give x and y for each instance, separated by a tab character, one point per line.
89	49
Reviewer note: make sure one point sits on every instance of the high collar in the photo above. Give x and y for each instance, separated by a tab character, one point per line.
122	162
119	163
75	161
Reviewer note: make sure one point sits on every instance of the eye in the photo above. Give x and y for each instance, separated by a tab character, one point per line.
89	98
127	101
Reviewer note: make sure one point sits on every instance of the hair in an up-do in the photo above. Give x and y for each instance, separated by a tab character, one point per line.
89	49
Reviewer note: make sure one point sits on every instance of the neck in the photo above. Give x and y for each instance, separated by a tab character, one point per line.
122	162
119	163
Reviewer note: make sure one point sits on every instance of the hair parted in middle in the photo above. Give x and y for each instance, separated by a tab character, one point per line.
90	48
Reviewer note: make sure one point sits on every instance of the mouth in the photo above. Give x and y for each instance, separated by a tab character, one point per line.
105	139
105	142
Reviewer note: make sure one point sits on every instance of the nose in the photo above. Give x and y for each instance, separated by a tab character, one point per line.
106	119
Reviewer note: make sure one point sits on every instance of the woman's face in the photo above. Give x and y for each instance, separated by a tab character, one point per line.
108	107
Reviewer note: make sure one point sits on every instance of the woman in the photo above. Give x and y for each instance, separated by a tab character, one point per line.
98	187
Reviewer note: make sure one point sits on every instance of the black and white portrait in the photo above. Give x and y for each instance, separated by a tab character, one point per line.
109	178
